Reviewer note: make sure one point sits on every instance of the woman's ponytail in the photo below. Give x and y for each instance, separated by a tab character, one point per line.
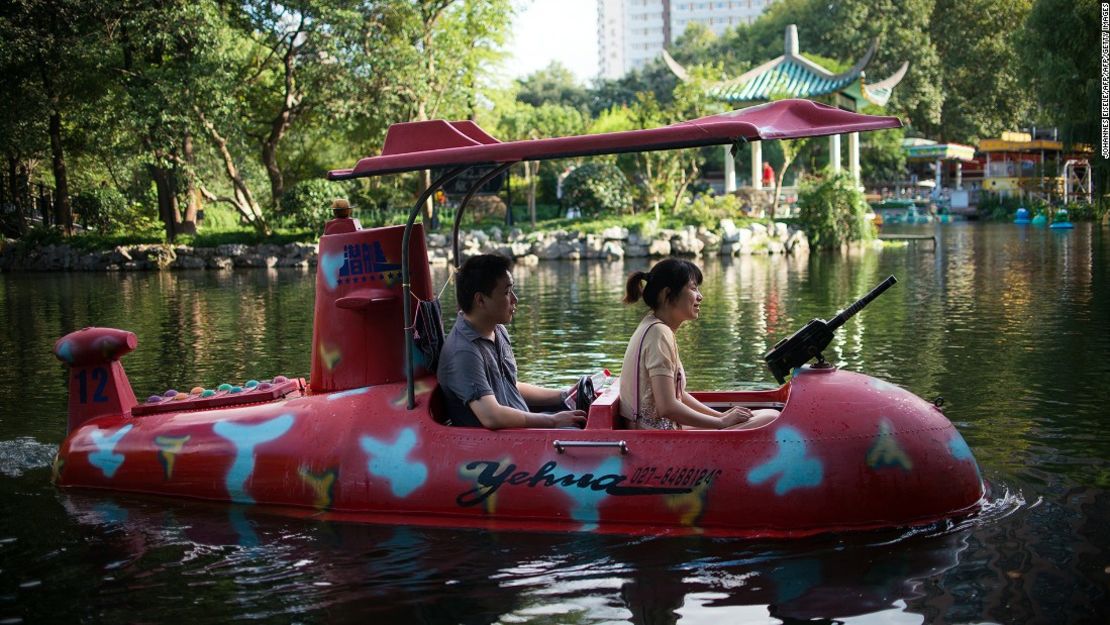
670	275
633	290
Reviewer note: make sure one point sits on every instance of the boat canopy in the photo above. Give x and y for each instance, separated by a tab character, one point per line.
462	145
414	146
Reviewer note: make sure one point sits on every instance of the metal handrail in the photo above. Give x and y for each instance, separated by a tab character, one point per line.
562	446
406	286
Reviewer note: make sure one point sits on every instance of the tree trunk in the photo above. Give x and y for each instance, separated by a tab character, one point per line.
22	191
244	200
273	171
778	188
532	173
686	178
6	181
62	213
425	182
291	100
192	194
167	199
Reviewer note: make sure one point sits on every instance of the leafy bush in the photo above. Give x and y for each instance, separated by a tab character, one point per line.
307	204
1081	211
995	207
484	207
103	209
598	189
832	211
708	210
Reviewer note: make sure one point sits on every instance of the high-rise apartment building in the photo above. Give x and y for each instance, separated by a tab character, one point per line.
632	32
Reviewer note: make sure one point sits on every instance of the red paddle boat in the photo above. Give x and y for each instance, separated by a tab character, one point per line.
365	438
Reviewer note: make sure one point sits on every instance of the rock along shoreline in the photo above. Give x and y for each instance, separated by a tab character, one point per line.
611	244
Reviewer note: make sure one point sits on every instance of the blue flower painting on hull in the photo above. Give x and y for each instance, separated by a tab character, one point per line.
792	466
245	438
330	264
105	458
959	449
587	500
388	460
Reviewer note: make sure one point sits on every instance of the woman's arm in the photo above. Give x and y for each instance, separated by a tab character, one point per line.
671	407
692	402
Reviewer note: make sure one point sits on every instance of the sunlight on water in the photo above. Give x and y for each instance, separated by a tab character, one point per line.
24	454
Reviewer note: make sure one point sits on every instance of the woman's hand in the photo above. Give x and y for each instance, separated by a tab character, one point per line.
735	416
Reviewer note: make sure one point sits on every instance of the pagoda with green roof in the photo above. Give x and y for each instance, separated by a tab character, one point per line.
793	75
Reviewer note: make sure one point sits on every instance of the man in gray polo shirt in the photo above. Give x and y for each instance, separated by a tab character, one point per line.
477	368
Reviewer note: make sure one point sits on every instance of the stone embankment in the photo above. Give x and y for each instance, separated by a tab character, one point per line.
611	244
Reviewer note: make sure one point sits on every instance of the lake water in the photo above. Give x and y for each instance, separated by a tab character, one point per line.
1010	325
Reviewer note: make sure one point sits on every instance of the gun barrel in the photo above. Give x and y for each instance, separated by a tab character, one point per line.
850	311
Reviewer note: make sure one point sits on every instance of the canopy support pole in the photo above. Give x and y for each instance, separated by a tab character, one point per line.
834	153
493	173
730	169
757	164
853	156
939	165
406	285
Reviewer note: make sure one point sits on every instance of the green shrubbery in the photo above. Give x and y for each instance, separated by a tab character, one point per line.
307	204
994	207
1083	212
598	189
708	210
105	211
833	211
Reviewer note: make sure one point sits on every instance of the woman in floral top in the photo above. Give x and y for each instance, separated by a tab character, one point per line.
653	382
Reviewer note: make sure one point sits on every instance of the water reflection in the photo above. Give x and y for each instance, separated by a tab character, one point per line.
263	567
1010	325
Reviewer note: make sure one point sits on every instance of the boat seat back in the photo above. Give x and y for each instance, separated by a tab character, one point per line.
437	405
358	336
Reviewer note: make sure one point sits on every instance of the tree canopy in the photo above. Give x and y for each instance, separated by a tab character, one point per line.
181	105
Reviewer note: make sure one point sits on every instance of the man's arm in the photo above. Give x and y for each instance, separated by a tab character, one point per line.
538	395
494	416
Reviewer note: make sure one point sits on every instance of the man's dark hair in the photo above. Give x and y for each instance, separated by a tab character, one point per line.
479	274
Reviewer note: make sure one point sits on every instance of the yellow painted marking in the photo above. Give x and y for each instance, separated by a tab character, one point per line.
321	484
330	357
170	446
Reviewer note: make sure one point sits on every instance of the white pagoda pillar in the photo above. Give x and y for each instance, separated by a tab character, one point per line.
834	153
959	175
853	156
730	170
936	181
757	164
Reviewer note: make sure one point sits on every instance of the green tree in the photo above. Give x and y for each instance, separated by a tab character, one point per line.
882	158
984	93
554	84
290	75
44	60
417	55
1056	47
519	120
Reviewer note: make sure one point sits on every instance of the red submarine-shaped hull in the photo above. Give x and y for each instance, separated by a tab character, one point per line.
365	437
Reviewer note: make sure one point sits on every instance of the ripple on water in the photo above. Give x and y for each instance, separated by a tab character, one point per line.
24	454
